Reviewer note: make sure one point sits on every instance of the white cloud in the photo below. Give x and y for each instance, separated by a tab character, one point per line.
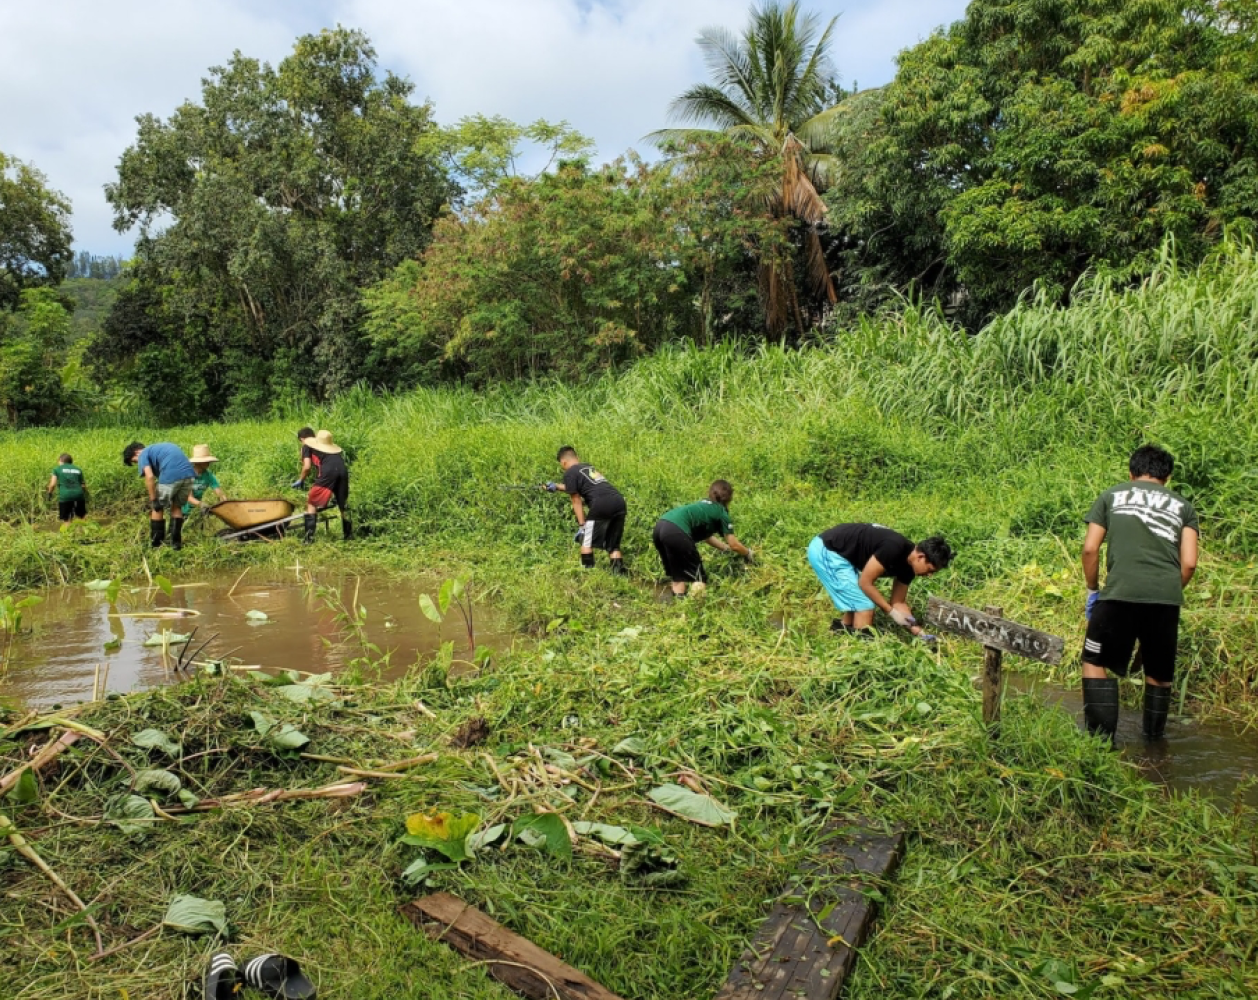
75	73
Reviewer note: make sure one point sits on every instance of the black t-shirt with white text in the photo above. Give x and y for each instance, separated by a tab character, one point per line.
601	498
858	542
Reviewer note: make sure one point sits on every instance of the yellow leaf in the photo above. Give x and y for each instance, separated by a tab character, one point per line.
839	939
1054	772
435	825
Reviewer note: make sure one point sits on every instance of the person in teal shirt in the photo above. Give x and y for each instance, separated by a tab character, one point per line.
677	532
67	480
204	480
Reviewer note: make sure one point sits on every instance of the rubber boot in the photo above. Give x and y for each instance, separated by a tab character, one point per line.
311	524
587	560
157	533
1100	706
176	533
347	528
1157	705
618	568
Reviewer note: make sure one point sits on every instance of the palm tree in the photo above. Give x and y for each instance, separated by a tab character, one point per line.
771	87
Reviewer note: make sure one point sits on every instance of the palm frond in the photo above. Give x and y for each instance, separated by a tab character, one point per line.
706	103
728	62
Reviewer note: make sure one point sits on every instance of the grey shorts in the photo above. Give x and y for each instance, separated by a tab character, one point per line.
173	495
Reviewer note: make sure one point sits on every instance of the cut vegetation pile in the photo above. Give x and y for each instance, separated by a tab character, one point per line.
1039	864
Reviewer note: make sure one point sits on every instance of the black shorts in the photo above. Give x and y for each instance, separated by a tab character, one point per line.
603	531
68	510
678	553
1115	628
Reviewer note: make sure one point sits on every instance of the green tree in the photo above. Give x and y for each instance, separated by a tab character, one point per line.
33	345
1033	141
266	207
772	87
34	231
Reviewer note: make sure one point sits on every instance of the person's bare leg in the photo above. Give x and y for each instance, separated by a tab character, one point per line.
862	619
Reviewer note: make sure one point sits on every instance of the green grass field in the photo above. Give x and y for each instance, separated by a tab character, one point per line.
1039	864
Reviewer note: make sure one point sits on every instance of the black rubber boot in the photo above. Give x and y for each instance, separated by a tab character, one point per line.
618	568
311	523
347	528
176	533
587	560
1100	705
157	533
1157	705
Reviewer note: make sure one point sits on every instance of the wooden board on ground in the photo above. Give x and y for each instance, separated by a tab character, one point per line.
806	948
510	959
994	631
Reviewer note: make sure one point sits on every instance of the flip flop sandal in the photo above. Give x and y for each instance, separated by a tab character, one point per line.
222	978
279	977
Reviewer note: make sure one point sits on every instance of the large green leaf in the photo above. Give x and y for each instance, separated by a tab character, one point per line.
443	832
443	596
97	584
156	780
701	809
132	814
166	638
155	739
616	836
305	694
164	585
429	609
280	735
192	915
257	616
26	791
544	830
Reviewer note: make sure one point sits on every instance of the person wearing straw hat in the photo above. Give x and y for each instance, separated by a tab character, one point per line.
331	484
204	481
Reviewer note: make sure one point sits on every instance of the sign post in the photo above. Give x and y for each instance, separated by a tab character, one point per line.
997	635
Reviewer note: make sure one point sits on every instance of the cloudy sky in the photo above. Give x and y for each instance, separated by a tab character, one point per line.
75	73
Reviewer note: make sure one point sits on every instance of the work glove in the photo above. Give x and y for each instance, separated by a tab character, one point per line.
300	484
155	505
579	537
927	638
750	556
550	487
1093	597
901	619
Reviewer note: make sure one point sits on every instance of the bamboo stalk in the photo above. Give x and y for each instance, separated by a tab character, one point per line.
96	683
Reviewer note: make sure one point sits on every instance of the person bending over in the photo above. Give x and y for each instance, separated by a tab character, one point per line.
1150	537
168	478
205	481
850	559
67	480
598	506
678	531
331	484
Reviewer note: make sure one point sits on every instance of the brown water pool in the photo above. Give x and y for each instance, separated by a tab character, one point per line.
56	660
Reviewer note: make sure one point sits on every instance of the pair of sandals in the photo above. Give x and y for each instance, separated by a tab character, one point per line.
274	975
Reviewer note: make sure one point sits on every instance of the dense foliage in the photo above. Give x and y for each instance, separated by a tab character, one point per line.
34	231
1033	141
286	191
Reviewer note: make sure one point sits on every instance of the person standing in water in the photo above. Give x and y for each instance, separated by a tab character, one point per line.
1150	536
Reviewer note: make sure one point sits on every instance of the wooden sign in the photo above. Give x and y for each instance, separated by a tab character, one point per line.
995	632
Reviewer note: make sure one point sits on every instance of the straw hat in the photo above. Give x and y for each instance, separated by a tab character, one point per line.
322	442
201	454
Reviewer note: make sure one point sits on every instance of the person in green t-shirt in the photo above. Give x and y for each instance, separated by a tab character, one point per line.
67	479
204	480
677	532
1150	535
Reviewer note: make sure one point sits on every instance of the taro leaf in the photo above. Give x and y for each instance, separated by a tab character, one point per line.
115	588
97	584
26	790
130	813
420	869
304	694
262	723
281	736
157	780
544	830
443	596
187	799
483	838
442	831
155	739
559	758
631	747
429	609
113	645
172	639
164	585
616	836
196	916
257	616
701	809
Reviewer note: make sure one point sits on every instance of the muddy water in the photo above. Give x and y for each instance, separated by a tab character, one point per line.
56	661
1211	758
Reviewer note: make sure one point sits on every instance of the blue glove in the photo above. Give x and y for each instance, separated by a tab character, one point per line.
299	485
579	537
1093	597
927	638
550	487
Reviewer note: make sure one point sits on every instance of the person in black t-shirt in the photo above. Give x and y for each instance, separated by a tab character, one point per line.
598	506
330	486
309	458
849	560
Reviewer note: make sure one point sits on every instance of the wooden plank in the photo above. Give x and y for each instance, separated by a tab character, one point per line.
511	959
806	947
999	633
993	679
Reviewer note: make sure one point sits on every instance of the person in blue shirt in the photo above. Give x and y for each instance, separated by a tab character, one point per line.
168	477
